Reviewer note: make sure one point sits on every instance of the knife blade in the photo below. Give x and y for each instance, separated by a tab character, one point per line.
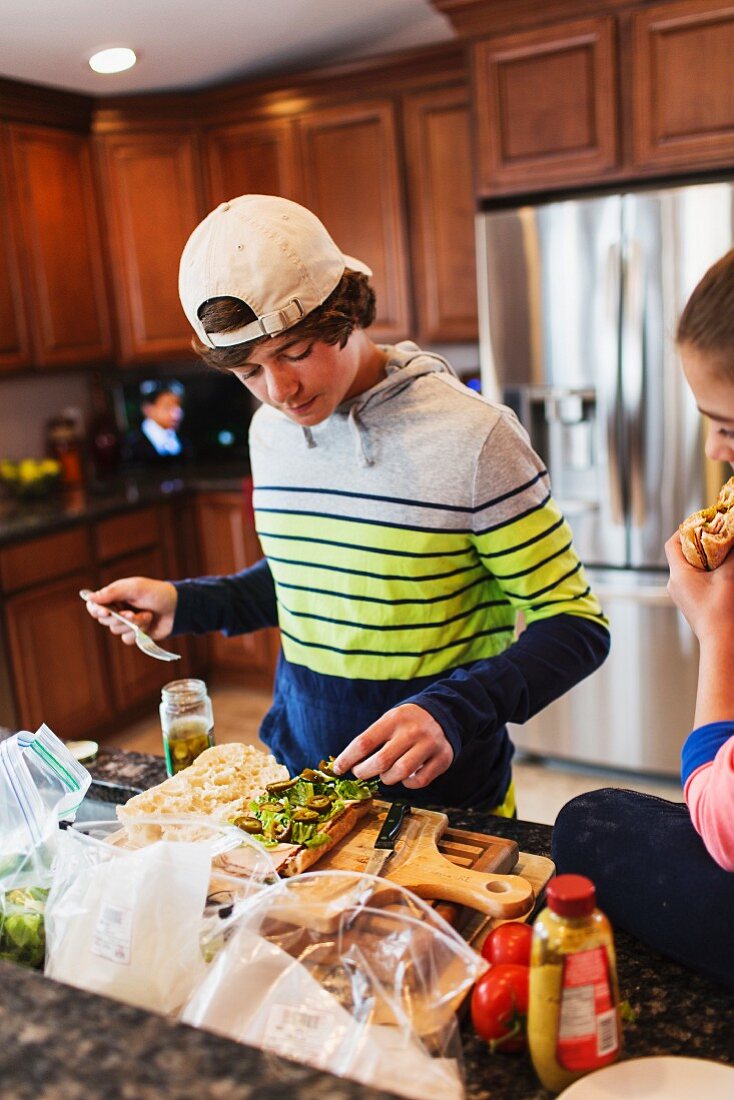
384	846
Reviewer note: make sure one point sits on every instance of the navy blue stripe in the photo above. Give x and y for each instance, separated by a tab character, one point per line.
514	519
533	568
368	549
399	626
566	599
548	587
529	542
401	500
379	576
388	602
402	653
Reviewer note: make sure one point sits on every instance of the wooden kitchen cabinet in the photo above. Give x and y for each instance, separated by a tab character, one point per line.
351	179
152	197
251	158
59	234
441	206
228	543
15	348
683	94
546	106
55	648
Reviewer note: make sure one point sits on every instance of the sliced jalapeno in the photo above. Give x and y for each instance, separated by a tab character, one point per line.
281	831
326	766
271	807
280	787
303	813
310	775
248	823
319	802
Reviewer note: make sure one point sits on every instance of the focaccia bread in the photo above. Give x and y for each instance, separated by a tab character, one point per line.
220	783
707	536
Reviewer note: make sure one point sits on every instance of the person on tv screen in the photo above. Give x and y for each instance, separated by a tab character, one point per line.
161	404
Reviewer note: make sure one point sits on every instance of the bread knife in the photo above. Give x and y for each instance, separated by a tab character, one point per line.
384	846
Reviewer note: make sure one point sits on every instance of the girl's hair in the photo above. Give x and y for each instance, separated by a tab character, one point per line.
707	321
350	305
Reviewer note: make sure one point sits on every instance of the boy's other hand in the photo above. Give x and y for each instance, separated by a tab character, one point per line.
147	603
406	745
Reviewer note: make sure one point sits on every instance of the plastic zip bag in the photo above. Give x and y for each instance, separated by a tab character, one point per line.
346	972
41	784
138	924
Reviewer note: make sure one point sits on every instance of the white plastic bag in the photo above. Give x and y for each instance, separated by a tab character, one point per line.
134	924
348	973
40	784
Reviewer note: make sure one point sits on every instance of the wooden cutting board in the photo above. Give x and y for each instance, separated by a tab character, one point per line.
466	870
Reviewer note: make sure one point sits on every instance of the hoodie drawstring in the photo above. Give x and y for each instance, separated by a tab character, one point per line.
361	442
308	436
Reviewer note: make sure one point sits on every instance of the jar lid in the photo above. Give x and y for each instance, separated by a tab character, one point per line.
571	895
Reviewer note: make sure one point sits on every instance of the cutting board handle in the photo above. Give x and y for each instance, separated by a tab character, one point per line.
505	896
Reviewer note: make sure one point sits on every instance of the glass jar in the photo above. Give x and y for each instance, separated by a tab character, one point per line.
573	1007
187	722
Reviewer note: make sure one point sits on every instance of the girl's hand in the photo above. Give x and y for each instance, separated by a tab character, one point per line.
406	746
706	599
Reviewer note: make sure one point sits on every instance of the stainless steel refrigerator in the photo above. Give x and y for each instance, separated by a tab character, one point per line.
578	302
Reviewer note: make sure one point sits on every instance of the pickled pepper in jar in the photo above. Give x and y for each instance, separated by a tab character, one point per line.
187	722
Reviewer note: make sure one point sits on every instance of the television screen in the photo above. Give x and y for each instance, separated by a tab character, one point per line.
200	417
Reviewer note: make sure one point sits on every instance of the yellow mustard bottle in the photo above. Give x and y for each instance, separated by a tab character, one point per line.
573	1007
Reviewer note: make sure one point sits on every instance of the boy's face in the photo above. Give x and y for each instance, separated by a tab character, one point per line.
308	379
715	399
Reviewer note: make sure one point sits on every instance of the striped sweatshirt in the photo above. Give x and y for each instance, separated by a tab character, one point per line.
403	538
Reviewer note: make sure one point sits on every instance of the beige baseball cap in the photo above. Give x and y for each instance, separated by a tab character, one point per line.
269	252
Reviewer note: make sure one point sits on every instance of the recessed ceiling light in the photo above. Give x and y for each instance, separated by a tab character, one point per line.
115	60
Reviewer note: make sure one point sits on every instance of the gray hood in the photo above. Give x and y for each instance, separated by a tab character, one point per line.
406	362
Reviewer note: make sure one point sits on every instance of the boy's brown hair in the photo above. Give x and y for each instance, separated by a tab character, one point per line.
707	321
350	305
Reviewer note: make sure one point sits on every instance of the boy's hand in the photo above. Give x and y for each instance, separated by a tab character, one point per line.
149	604
406	746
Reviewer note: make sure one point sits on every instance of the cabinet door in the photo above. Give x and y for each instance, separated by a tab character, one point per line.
254	158
56	653
228	544
14	340
545	105
151	191
351	180
60	236
441	194
683	95
135	677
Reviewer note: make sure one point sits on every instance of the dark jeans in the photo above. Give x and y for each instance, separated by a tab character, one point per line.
653	875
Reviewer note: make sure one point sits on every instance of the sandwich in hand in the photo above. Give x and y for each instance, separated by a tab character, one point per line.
707	536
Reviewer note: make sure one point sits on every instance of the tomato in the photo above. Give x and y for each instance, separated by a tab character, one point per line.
499	1006
508	943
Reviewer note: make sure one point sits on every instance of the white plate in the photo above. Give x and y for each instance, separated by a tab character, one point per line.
663	1078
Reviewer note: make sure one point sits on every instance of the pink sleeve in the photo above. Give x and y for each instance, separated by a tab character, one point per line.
709	794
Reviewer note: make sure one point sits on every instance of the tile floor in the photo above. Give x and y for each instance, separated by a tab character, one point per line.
542	786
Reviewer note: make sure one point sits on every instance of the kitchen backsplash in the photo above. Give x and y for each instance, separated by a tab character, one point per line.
27	403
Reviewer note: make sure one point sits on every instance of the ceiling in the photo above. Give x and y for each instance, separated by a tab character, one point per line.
186	44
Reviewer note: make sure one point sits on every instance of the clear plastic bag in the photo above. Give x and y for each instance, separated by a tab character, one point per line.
346	972
138	924
41	784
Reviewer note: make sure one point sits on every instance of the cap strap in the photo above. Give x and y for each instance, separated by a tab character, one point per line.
269	324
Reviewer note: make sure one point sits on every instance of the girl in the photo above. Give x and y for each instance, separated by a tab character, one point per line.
665	871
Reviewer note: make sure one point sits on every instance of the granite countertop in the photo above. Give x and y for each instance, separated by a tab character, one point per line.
62	1043
22	519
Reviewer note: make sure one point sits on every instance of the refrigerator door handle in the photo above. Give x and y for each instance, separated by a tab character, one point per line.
633	376
610	384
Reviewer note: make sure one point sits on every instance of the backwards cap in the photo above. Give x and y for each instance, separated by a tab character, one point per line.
269	252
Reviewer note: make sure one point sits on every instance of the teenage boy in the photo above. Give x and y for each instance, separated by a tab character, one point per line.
406	523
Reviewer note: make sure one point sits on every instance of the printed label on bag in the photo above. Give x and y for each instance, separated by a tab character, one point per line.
588	1035
113	934
300	1033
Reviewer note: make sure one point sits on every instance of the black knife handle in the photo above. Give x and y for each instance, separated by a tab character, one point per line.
392	825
